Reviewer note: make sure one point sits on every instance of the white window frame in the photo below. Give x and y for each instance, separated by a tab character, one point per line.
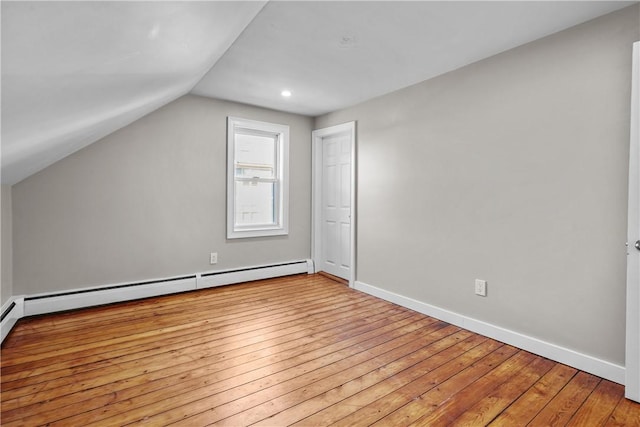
281	202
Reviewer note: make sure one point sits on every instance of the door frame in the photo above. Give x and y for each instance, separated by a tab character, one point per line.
316	198
632	356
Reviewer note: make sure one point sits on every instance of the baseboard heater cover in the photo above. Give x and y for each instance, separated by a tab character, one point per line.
12	311
6	312
42	304
239	275
17	307
106	288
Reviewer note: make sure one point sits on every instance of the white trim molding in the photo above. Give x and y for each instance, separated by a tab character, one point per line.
238	127
593	365
29	305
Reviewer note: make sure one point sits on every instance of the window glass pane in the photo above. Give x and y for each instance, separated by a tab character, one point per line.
255	203
255	156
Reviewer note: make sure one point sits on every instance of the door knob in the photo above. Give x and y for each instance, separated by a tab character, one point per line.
637	245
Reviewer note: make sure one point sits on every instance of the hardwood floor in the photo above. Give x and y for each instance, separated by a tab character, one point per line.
301	350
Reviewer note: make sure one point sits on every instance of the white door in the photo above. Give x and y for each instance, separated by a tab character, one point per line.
632	362
334	191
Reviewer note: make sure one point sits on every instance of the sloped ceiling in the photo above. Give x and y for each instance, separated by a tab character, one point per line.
73	72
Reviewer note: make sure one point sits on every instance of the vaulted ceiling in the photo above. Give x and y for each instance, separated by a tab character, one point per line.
73	72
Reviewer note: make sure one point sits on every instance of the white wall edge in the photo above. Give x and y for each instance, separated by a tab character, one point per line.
51	302
592	365
632	350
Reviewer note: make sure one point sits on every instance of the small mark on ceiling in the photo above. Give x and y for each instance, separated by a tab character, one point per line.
348	40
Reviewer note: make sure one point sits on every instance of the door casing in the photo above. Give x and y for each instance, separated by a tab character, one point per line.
632	357
316	210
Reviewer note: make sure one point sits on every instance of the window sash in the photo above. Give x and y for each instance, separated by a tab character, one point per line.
251	163
274	203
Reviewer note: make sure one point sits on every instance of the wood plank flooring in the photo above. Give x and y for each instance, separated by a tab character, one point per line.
301	350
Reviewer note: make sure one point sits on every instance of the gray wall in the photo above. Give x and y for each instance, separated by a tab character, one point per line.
512	170
148	201
6	259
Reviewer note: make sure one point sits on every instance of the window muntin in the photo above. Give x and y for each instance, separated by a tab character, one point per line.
257	194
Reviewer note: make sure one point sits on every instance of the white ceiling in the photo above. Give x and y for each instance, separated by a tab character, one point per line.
332	55
73	72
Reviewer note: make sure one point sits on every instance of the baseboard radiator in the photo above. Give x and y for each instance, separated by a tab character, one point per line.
30	305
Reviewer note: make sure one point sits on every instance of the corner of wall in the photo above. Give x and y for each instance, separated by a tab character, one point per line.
6	249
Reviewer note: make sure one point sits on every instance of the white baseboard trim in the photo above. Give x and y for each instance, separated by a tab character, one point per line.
590	364
30	305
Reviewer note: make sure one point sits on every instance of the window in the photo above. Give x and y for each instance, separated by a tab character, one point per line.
257	178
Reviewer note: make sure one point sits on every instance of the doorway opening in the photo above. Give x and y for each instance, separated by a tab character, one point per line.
334	201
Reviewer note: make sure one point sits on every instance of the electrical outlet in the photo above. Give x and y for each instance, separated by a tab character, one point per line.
214	258
481	287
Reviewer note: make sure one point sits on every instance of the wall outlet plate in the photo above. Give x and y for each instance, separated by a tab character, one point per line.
213	258
481	287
